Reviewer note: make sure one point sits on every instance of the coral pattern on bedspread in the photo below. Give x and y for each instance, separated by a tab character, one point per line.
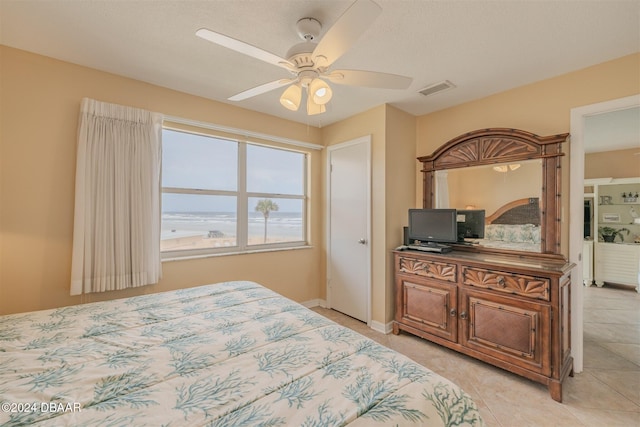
228	354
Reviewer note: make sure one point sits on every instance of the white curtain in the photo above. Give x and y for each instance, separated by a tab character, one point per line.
442	189
116	236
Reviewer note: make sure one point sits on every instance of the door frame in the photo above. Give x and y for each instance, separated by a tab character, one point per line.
576	200
366	140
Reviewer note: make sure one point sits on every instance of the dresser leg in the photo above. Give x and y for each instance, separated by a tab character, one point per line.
555	389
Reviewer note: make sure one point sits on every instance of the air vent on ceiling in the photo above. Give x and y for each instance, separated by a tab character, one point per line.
437	87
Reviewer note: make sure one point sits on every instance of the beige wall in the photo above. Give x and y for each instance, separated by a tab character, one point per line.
400	189
39	115
38	178
543	108
392	158
613	164
38	121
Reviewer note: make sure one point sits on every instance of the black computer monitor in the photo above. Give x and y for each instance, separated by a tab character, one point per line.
433	225
470	224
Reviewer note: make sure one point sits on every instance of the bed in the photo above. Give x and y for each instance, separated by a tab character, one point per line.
227	354
514	226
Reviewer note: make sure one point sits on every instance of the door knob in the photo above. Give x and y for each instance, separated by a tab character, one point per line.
362	241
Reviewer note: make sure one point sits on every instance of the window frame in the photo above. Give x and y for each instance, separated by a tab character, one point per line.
242	200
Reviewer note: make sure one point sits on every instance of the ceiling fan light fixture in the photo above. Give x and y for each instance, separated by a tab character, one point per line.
506	168
310	60
313	108
320	91
291	97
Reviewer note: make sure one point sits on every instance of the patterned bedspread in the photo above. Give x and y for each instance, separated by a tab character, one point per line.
514	237
228	354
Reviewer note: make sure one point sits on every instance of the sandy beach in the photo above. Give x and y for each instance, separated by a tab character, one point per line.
199	230
202	242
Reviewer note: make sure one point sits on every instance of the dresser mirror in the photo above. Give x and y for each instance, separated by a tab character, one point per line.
508	195
513	176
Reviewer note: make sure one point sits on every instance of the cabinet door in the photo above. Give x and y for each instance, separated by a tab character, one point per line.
511	330
429	306
617	263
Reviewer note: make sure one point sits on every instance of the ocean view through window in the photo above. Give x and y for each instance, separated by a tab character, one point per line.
223	195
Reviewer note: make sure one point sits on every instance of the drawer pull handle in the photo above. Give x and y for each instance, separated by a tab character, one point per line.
453	312
463	315
501	281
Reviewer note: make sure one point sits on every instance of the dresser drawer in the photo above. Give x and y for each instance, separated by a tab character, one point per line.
427	268
518	284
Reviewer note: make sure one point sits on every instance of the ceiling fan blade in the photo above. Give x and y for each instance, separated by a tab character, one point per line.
259	90
346	30
369	79
245	48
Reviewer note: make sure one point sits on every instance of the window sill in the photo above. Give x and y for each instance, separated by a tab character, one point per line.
244	252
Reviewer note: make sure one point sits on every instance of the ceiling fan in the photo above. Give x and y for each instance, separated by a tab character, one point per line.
309	62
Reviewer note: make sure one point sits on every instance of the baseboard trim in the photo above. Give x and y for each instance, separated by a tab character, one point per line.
315	303
383	328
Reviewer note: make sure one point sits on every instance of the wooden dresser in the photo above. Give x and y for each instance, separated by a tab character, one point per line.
510	311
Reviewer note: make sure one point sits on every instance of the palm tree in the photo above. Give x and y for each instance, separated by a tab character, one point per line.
265	206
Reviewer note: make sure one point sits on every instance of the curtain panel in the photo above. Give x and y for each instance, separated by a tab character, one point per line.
442	189
116	238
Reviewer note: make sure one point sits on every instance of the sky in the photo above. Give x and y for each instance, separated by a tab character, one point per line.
194	161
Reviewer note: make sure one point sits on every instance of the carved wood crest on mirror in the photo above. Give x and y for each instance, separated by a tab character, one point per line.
508	178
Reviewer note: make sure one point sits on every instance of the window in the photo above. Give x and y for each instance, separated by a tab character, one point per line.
223	195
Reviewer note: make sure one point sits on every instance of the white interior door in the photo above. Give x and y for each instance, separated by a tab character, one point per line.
348	263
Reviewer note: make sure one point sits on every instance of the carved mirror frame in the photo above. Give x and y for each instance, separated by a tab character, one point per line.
501	145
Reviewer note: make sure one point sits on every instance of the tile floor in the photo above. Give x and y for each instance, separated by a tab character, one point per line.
605	394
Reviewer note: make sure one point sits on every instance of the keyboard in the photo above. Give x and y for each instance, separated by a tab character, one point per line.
431	248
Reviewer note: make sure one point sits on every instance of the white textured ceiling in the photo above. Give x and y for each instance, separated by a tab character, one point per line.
483	47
